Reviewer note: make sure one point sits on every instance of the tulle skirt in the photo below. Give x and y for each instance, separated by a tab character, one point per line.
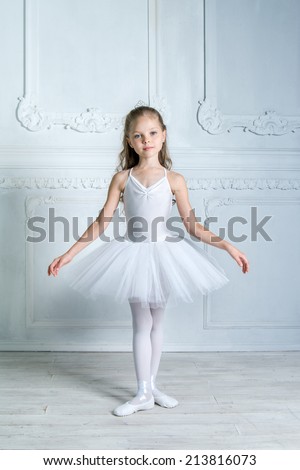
156	272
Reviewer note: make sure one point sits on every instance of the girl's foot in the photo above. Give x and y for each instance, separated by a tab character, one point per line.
164	400
161	398
128	408
142	401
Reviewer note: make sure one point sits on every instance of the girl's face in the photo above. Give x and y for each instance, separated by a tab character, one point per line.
146	136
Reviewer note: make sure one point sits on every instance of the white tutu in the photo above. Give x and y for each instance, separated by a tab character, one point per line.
147	272
170	269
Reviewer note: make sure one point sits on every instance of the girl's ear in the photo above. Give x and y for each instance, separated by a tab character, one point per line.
165	134
128	141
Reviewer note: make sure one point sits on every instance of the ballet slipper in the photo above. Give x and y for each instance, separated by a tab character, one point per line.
161	398
166	401
128	409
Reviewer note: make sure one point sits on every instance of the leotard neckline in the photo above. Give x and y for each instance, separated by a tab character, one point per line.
148	187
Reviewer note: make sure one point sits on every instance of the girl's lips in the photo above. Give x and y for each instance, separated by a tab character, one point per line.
147	148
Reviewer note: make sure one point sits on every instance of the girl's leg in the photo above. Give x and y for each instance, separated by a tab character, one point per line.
156	338
147	323
141	342
156	343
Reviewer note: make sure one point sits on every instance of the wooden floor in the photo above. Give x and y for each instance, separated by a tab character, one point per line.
234	400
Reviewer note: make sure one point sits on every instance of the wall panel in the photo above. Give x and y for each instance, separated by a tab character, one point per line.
225	76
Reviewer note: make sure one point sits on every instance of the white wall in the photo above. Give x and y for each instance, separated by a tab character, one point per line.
238	149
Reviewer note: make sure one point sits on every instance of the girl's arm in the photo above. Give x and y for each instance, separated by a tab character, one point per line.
95	229
196	229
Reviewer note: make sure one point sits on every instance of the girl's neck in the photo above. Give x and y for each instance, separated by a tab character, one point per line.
146	167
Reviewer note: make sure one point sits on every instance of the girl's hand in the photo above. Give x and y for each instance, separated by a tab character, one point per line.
58	263
239	257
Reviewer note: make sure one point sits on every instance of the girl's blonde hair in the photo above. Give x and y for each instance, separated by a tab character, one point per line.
128	157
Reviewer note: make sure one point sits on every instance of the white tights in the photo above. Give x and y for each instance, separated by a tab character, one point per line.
147	324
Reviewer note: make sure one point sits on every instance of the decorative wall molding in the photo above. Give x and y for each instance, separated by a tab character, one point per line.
209	116
33	118
79	183
210	205
270	123
53	183
243	183
31	203
31	115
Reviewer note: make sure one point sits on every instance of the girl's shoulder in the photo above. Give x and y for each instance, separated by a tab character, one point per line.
119	175
118	178
173	173
121	172
177	181
175	176
121	178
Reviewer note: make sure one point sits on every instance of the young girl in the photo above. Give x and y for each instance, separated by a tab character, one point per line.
150	264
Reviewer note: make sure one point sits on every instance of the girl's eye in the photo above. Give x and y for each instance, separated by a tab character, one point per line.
154	132
136	136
